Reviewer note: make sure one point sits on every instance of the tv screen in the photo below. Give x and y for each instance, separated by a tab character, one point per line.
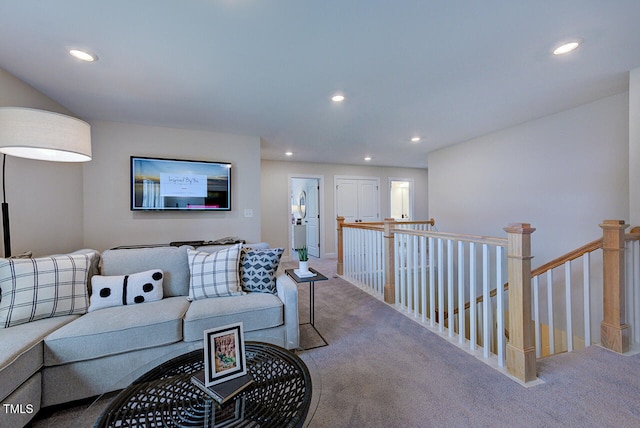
179	185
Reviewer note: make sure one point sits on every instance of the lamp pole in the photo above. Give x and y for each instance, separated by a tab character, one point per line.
5	212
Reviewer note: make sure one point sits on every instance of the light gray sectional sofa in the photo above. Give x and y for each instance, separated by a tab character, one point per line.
65	358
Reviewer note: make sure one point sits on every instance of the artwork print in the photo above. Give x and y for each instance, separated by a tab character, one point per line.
224	353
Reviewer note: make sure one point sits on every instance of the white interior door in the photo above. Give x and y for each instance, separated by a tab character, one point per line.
368	200
313	217
357	199
347	199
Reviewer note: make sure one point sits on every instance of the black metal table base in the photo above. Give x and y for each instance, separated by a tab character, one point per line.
312	297
324	341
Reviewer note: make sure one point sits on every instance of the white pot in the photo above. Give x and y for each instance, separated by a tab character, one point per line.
304	267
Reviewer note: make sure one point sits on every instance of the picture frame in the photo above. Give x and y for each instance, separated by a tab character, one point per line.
224	354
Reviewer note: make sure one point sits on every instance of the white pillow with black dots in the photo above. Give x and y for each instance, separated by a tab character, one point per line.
121	290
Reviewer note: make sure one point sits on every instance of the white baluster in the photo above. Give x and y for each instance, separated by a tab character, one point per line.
486	300
500	307
461	294
472	296
361	256
410	267
636	290
536	316
396	263
450	280
552	344
567	290
416	277
347	251
423	276
432	282
379	261
403	271
630	299
371	256
440	285
586	267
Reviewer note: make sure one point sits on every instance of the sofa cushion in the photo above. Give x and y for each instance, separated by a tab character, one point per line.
33	289
21	351
121	290
117	329
255	310
171	260
258	269
214	274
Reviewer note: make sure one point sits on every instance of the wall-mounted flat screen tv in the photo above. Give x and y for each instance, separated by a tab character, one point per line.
179	185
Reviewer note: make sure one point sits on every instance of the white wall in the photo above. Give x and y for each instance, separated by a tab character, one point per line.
563	173
275	198
108	220
45	198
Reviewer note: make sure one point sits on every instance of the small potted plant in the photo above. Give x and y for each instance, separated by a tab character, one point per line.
304	259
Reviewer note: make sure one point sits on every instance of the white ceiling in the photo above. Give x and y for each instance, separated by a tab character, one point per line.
446	70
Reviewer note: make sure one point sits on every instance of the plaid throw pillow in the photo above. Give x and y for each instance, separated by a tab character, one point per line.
214	274
33	289
258	269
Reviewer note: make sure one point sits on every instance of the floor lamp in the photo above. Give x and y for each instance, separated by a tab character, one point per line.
41	135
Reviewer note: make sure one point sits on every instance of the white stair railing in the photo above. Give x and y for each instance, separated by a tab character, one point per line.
456	285
562	309
364	257
364	252
437	274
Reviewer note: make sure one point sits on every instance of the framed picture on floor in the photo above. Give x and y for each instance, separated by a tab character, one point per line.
224	354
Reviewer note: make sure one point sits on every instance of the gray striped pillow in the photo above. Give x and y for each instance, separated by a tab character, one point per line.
33	289
214	274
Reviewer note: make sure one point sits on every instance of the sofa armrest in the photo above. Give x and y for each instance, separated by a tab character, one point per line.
288	293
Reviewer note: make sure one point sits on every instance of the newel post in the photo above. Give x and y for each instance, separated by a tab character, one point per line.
614	333
340	268
521	351
389	262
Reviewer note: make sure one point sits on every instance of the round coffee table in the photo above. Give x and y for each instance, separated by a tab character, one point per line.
165	397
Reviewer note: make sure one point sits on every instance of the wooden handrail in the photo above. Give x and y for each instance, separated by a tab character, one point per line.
379	225
634	235
572	255
368	226
501	242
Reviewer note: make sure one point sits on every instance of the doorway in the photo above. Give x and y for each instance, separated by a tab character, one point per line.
305	209
401	198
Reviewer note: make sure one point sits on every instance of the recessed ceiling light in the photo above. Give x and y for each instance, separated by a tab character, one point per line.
338	98
566	48
288	153
415	139
83	55
368	158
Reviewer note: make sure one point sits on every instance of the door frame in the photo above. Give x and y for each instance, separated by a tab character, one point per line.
411	194
321	239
